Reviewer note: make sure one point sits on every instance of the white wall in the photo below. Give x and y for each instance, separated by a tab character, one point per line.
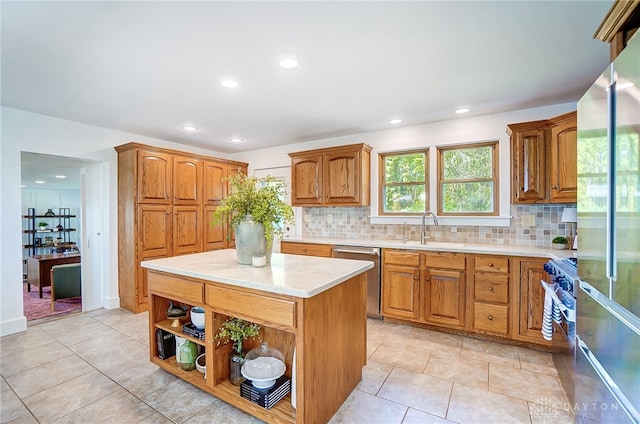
29	132
24	131
455	131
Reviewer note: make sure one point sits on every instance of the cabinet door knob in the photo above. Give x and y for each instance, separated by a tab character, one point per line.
490	317
415	277
490	289
426	278
554	187
490	265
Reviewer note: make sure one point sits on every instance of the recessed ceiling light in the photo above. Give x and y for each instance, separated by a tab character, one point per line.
236	140
189	128
229	83
39	182
395	121
22	186
462	110
289	63
61	176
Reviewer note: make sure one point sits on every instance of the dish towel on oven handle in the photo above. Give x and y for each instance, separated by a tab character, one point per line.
551	311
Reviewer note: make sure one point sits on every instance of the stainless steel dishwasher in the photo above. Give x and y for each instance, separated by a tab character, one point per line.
373	275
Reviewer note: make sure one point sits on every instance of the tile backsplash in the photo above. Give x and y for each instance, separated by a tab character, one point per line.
352	222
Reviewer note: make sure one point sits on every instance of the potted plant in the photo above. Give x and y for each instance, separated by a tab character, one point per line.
43	225
257	213
236	330
559	243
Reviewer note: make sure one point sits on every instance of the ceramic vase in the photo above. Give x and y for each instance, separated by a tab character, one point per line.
250	240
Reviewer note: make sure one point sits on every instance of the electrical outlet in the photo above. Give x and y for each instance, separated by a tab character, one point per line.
528	220
307	218
329	219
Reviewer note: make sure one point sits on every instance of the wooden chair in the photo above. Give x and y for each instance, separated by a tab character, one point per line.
66	282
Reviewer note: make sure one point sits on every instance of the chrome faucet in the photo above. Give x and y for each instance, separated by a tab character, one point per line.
423	229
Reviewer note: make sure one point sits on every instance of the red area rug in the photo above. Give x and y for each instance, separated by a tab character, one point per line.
36	308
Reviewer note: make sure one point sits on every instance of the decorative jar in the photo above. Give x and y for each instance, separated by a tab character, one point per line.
188	355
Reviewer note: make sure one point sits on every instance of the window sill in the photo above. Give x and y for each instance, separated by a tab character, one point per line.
475	221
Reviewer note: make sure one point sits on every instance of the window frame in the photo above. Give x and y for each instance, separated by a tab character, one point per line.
382	181
495	178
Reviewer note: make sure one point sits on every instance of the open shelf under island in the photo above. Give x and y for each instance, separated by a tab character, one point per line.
311	305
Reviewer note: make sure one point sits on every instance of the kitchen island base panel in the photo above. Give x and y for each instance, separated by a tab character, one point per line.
342	348
328	331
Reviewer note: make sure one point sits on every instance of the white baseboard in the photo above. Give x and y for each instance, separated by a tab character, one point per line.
14	326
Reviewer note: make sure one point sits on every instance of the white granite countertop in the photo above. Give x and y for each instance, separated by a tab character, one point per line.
443	246
294	275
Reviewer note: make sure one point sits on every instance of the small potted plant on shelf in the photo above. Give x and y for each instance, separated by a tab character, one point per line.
559	243
236	330
43	225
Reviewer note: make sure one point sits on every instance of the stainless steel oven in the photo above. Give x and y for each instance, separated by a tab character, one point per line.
560	313
373	275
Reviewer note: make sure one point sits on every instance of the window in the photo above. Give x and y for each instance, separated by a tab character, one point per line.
468	179
404	183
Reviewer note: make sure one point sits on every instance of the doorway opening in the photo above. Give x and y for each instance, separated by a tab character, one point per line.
51	209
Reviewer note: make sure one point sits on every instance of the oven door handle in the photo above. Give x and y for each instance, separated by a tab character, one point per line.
568	313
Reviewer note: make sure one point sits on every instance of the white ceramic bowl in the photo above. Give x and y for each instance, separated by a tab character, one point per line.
201	364
263	371
197	317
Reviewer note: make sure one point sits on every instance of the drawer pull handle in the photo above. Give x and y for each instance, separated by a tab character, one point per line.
490	265
490	317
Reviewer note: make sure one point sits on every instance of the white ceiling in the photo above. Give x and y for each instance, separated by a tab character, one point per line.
149	67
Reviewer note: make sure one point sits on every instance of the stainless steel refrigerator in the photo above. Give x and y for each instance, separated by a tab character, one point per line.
607	380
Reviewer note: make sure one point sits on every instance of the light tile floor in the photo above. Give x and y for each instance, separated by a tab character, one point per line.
94	368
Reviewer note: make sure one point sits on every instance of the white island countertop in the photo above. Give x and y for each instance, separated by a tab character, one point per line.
293	275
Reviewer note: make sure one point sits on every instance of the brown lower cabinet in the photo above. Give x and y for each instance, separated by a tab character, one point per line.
497	295
427	287
530	301
308	249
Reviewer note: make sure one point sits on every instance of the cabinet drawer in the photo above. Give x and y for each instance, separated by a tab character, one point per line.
309	249
491	318
491	264
261	309
492	288
446	260
176	288
401	257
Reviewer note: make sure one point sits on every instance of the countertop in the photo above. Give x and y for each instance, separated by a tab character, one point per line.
294	275
443	246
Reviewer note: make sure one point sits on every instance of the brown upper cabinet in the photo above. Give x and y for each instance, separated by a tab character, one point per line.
165	202
544	160
563	152
336	176
619	25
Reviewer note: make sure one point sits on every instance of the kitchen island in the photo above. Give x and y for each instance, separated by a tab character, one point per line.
312	306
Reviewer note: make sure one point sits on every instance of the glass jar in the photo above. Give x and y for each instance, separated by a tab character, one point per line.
188	355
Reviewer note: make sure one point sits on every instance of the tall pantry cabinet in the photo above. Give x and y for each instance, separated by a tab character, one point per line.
165	202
